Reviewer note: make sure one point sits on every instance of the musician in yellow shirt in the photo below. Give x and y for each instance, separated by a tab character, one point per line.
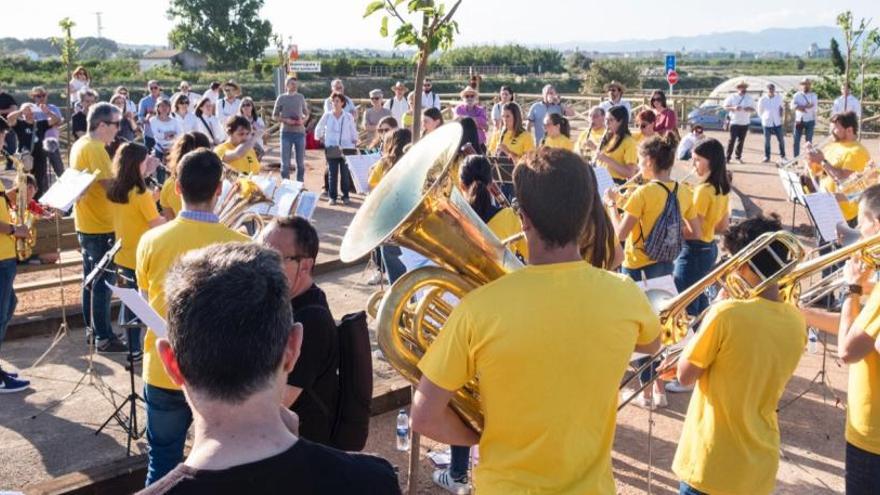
842	158
169	198
557	132
618	150
537	438
9	381
393	149
93	218
512	140
740	360
858	344
196	226
134	213
237	151
645	121
590	139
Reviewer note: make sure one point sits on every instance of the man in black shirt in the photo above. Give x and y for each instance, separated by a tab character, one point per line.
7	105
31	133
313	386
231	341
87	98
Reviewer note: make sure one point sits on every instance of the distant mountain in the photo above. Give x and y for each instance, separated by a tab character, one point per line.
789	40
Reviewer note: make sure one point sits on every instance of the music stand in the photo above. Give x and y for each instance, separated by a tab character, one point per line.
791	183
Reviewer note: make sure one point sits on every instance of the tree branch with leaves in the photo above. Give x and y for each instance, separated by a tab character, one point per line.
436	30
851	36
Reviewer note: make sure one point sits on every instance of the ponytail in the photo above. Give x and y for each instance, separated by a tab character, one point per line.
480	199
660	150
476	177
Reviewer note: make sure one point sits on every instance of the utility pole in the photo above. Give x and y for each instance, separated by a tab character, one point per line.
100	27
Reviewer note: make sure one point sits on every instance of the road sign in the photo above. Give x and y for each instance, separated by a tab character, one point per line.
672	77
305	66
294	52
670	63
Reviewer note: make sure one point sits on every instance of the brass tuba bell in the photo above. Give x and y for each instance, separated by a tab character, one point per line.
418	205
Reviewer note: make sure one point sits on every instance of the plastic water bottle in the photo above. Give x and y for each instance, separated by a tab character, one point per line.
811	341
402	431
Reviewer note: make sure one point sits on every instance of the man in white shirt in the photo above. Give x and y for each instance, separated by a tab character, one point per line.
336	86
397	103
213	92
739	108
430	99
804	103
615	97
846	103
770	110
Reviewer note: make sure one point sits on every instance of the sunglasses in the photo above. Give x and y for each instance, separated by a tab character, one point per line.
642	126
612	90
114	123
183	102
375	98
698	131
383	130
154	87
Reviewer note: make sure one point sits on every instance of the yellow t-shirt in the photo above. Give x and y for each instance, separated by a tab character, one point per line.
540	438
520	145
158	249
560	141
7	242
711	207
376	173
248	164
130	221
93	213
407	120
168	197
863	392
625	154
730	438
506	223
590	135
848	156
646	204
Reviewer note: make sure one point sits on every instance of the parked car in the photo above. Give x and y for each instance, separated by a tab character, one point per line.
711	116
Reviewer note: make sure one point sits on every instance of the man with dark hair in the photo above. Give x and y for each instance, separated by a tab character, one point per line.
837	161
168	416
315	372
237	151
533	439
743	355
245	442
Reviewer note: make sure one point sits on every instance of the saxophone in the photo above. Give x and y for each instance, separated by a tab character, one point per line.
24	247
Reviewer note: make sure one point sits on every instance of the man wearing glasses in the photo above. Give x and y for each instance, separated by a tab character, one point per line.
315	370
689	142
615	97
147	109
430	99
549	104
93	217
41	98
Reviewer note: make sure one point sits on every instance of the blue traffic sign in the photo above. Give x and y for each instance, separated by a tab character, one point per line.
670	63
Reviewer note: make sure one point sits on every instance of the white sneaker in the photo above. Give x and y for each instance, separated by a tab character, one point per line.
645	402
442	479
660	400
678	388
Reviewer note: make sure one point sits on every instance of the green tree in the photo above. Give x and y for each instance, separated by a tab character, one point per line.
604	71
836	58
869	48
67	46
852	34
228	32
577	63
436	30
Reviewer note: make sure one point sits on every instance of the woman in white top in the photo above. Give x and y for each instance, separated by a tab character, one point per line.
248	110
338	131
180	105
228	105
165	128
78	82
213	92
207	123
505	95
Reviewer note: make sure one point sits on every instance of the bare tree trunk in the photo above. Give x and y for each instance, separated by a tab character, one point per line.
421	70
849	49
862	69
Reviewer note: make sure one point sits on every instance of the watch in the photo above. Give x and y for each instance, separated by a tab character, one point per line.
854	289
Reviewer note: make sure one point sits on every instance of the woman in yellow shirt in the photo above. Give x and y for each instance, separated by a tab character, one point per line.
641	212
169	198
645	121
513	140
393	150
557	132
134	212
712	214
237	152
618	148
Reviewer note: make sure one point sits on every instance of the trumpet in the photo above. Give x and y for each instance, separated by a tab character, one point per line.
780	249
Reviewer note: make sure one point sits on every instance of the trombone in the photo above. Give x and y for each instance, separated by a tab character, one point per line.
782	248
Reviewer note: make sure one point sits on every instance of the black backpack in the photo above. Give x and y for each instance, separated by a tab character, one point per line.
351	420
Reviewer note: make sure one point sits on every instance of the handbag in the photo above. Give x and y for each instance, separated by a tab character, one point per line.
335	152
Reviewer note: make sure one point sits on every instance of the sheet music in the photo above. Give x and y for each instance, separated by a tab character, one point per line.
791	182
282	193
603	179
360	165
67	189
665	283
826	214
133	300
306	205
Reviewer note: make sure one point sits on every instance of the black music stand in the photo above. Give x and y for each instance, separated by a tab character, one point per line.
794	190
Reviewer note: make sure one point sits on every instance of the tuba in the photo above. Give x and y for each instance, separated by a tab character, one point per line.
418	205
24	247
782	248
234	210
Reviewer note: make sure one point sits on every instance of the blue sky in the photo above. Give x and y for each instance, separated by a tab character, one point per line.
481	21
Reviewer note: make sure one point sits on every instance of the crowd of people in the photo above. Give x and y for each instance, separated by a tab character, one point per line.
264	404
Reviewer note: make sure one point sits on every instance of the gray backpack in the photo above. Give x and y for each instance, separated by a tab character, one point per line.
667	236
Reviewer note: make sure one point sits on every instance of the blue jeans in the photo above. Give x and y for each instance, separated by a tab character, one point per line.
685	489
94	247
168	419
807	132
694	262
862	471
133	334
460	460
8	301
780	137
391	261
298	141
338	169
655	270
